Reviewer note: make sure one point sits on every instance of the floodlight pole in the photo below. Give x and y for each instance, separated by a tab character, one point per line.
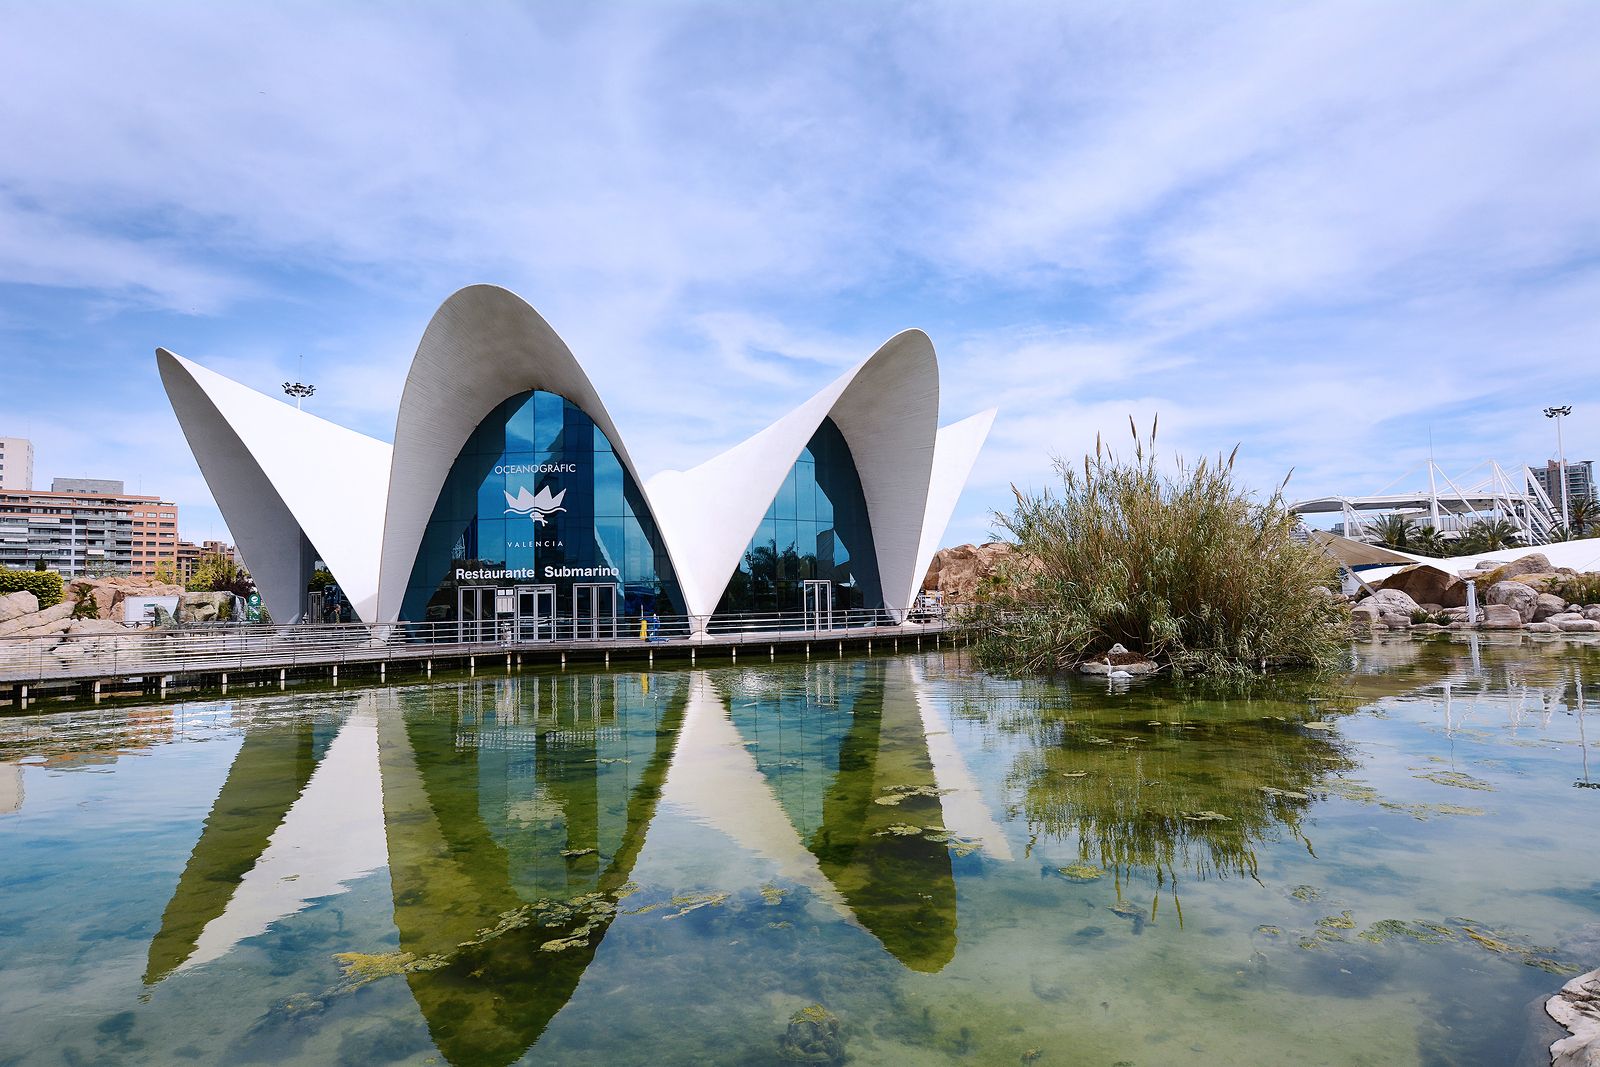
1558	413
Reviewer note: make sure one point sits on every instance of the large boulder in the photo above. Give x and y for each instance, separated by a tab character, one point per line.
958	571
1580	626
16	604
38	622
1501	617
204	607
1513	595
1427	584
1548	605
1393	602
109	593
1532	563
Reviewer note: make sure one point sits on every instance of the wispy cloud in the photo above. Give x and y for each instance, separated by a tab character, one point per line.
1318	230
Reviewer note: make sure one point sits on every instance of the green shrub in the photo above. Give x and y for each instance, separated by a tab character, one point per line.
86	608
1578	589
1187	569
1419	616
46	585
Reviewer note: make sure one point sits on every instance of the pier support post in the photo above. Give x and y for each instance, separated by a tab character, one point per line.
283	678
224	681
472	664
335	674
161	687
691	657
608	659
563	661
772	652
383	670
430	668
652	657
508	663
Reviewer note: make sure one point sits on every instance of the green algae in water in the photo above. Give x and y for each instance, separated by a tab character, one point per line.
1081	872
772	895
1343	921
1456	779
894	795
898	829
1426	933
1306	893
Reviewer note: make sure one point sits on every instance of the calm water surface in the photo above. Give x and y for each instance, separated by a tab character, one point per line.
665	867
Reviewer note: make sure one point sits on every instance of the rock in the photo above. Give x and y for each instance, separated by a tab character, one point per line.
1395	621
1577	1007
1501	617
1513	595
1565	616
204	607
95	626
1364	614
1580	626
1393	602
1532	563
37	622
812	1037
1548	605
1592	611
1542	628
1427	584
958	571
19	603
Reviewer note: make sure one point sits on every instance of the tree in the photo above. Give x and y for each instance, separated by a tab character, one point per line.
166	572
1488	535
1394	531
1583	514
1430	542
216	573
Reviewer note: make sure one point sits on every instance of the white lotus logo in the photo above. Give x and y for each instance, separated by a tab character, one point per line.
538	506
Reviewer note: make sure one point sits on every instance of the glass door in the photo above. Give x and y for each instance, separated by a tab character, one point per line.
536	612
594	611
818	605
475	613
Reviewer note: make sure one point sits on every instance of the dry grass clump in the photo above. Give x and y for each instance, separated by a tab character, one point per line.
1187	569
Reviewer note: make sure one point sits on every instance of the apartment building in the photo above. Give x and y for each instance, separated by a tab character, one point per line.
16	463
87	527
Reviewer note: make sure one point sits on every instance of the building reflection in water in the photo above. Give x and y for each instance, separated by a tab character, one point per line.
511	815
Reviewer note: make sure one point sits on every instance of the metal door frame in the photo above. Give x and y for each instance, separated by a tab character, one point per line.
537	619
481	627
816	604
587	628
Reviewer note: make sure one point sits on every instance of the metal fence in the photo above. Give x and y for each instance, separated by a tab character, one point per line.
222	647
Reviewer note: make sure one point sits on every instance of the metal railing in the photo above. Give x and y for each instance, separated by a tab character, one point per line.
215	648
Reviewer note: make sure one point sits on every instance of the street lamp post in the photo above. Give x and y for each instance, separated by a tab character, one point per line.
1558	413
297	390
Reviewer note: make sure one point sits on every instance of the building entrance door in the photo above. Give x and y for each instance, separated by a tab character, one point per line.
536	612
594	611
475	613
818	604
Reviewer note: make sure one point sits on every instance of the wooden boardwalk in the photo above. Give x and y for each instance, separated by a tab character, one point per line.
154	661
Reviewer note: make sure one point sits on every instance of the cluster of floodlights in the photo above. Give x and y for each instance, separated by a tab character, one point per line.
299	390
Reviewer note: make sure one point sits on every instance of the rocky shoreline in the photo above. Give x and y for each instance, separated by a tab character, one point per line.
1517	596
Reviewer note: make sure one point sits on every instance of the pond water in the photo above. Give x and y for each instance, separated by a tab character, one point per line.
870	860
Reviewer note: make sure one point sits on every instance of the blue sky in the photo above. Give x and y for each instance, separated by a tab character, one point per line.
1320	231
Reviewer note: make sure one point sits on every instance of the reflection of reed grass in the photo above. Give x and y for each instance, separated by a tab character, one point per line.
1188	569
1194	795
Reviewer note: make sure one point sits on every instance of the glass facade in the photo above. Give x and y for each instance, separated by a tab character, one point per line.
815	529
538	498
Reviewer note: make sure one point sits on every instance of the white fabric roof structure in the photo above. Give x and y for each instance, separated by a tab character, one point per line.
270	467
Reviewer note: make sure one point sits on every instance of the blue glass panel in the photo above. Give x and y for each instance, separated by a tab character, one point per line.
816	526
571	506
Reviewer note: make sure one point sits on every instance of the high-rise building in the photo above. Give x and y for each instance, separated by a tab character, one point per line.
190	554
87	533
16	463
1580	480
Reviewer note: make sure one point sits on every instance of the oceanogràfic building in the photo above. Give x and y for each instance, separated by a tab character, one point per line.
508	500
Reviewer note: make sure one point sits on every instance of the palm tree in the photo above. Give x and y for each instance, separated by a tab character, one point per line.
1487	535
1430	542
1394	531
1583	514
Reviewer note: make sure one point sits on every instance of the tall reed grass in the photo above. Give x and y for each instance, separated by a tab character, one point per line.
1186	568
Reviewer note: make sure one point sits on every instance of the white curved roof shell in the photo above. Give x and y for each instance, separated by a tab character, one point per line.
364	513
